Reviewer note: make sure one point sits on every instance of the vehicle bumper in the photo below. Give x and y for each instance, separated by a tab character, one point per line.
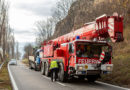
92	69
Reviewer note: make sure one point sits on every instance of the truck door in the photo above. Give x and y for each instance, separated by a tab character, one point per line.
71	55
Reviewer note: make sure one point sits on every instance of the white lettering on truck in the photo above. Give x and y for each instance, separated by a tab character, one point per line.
88	61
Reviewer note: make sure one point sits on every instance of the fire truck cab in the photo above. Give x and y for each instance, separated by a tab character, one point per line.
83	58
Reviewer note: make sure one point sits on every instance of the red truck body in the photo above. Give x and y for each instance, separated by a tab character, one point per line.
91	38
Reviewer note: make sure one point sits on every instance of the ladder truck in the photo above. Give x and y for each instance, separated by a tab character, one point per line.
84	53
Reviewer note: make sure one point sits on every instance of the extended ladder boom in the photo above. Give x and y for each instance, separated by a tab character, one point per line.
103	27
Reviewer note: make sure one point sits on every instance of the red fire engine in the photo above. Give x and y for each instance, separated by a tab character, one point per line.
84	52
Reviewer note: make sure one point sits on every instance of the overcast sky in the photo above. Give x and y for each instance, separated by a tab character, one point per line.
24	13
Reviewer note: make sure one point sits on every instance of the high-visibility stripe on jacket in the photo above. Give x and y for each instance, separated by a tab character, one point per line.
53	64
102	56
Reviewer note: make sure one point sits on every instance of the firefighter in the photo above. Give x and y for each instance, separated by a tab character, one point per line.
54	70
105	56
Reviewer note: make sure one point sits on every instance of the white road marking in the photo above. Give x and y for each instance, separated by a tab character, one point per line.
46	77
61	84
56	81
12	79
113	85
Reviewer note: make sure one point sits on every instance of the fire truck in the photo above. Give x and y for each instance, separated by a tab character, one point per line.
84	53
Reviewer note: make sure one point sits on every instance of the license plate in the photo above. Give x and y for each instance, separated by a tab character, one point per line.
83	72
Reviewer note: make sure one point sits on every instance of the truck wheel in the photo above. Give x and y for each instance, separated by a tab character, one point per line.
35	67
92	79
81	77
43	68
30	65
47	69
62	75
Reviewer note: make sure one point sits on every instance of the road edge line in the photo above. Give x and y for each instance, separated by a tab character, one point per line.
61	84
46	77
12	79
113	85
56	81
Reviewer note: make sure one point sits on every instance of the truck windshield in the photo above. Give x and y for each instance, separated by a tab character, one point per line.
90	50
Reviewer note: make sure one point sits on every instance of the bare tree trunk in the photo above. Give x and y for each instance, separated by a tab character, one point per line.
17	50
6	39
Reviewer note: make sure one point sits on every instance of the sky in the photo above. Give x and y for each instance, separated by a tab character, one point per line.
23	15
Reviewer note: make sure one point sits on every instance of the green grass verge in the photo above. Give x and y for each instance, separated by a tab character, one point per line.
5	83
25	61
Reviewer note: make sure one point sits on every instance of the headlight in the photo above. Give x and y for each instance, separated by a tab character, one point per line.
109	68
80	68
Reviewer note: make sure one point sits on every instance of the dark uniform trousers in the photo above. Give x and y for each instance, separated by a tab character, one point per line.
54	74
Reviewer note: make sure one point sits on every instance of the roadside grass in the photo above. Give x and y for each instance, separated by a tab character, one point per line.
25	61
5	83
121	70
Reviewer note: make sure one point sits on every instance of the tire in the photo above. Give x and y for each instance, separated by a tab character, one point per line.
43	68
92	79
36	69
47	69
81	77
62	75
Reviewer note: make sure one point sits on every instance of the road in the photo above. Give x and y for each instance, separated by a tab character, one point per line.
27	79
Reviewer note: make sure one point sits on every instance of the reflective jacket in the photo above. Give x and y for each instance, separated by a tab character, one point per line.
53	65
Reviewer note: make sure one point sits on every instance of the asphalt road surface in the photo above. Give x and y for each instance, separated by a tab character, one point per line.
27	79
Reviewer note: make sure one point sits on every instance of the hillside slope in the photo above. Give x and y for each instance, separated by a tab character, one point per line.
121	60
83	11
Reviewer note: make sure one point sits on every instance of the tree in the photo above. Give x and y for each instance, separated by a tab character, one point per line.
7	41
12	44
17	51
46	28
61	9
28	49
